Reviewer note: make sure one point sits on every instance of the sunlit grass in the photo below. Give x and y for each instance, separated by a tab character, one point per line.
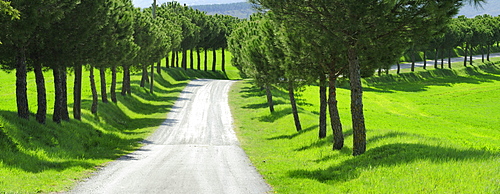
427	132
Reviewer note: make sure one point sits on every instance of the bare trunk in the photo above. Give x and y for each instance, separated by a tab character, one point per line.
412	59
295	112
126	80
425	60
399	67
151	86
158	67
77	93
436	59
338	136
41	113
191	59
269	96
205	65
214	62
93	88
102	74
358	119
112	89
57	115
323	103
465	55
21	85
198	64
223	64
184	59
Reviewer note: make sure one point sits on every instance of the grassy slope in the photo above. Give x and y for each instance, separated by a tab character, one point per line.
427	132
49	158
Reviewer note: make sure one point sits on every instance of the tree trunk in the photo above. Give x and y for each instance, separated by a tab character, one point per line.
338	137
112	89
57	116
64	93
214	62
93	88
412	59
125	80
436	59
295	112
323	103
176	59
184	59
205	65
449	58
358	119
465	55
198	64
102	74
144	77
470	55
77	93
223	64
151	86
442	59
482	54
191	59
166	62
158	67
269	96
21	85
425	60
172	63
399	67
41	113
488	53
379	71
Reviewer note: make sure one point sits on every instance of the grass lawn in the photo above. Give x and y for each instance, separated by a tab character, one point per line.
49	158
427	132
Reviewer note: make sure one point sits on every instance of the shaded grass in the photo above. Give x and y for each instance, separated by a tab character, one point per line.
428	132
49	158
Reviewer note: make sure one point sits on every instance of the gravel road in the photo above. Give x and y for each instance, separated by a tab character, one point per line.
194	151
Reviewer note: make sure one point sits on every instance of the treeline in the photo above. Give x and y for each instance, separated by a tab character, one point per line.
104	35
241	10
300	43
472	35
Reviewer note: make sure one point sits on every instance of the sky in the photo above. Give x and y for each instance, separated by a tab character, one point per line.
147	3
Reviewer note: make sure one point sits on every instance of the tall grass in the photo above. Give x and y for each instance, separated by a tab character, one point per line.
53	157
427	132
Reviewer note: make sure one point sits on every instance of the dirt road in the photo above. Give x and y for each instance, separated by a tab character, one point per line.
194	151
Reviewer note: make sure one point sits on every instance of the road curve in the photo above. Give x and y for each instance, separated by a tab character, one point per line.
194	151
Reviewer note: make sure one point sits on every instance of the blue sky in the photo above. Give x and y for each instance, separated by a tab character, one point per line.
147	3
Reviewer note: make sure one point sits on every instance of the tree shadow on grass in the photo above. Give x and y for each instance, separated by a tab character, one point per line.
420	81
388	155
323	142
277	114
32	147
294	134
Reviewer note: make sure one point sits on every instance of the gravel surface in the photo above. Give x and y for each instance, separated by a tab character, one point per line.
194	151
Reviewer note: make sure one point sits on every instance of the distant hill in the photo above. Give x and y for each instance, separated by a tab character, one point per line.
492	7
241	10
244	9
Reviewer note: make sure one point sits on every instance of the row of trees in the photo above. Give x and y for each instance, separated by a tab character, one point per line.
315	41
472	35
107	35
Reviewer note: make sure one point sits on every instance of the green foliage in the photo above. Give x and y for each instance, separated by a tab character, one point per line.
433	131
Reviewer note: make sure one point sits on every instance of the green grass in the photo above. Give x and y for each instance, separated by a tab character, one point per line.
49	158
427	132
